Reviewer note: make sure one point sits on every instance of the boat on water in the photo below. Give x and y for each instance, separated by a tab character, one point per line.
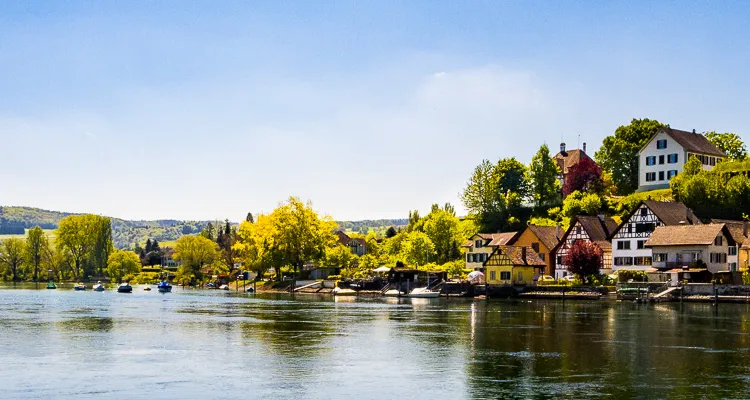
164	287
147	288
224	287
98	287
51	285
124	288
79	286
392	293
422	293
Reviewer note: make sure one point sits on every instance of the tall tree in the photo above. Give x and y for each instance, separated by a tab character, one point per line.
148	246
301	234
417	249
543	173
584	176
36	244
618	154
121	263
339	256
103	245
729	143
512	177
493	209
75	237
442	229
584	259
12	252
194	252
390	232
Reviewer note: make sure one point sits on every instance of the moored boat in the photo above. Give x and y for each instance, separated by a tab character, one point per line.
124	288
223	287
147	288
79	286
51	285
422	293
392	293
344	292
98	287
164	287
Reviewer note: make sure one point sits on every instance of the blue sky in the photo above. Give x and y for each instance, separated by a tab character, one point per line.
201	110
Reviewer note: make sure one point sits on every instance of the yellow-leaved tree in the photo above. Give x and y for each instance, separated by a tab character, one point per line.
121	263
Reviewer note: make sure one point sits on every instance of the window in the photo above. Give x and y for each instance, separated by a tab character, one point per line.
493	275
623	245
578	230
718	257
672	158
712	161
535	246
733	267
660	257
719	240
475	257
733	251
642	261
559	260
504	275
661	159
661	175
623	261
542	257
641	244
651	160
661	144
468	258
478	244
650	176
671	173
643	228
644	212
520	277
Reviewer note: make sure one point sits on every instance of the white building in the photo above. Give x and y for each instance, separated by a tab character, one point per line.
739	231
665	155
629	251
480	246
688	247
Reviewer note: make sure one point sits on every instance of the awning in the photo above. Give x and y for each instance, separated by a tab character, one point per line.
381	269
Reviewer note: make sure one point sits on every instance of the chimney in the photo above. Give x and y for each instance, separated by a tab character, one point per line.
523	254
667	126
584	147
557	231
562	147
693	130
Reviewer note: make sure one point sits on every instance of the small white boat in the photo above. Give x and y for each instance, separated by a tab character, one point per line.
421	293
79	286
344	292
392	293
124	288
223	287
98	287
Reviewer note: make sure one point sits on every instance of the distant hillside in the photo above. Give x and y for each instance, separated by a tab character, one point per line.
15	220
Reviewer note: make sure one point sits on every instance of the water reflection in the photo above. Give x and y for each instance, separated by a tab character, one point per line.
87	324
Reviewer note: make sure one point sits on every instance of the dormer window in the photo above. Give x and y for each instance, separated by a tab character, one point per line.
478	244
719	240
661	144
644	212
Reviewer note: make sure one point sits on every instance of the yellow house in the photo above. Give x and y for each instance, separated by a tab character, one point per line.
513	265
542	239
744	256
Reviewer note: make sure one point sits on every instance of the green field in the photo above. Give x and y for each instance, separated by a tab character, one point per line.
49	232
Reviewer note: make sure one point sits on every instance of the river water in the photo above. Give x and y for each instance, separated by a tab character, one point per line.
210	344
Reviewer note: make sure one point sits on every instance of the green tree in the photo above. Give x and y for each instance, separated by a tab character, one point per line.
543	173
36	245
75	238
442	229
729	143
492	209
194	252
121	263
618	154
390	232
300	234
103	245
417	249
339	256
12	252
513	177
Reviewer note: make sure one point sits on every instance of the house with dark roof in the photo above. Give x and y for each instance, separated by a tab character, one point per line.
738	256
481	245
679	248
541	239
358	246
596	230
665	154
568	158
629	251
513	265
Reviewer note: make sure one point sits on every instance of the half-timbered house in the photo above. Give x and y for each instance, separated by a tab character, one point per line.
629	251
589	229
481	245
513	265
